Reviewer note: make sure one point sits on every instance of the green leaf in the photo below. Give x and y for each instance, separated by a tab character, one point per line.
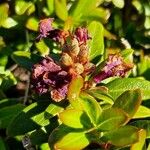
118	86
91	107
42	48
31	118
97	14
4	8
38	137
2	144
9	22
52	110
123	136
75	118
111	119
118	3
61	9
7	102
74	90
139	145
129	101
96	44
25	59
127	54
7	78
50	4
81	7
22	7
142	124
142	112
7	114
44	146
73	141
101	95
32	24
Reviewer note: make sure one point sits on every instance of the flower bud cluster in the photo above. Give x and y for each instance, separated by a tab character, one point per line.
55	77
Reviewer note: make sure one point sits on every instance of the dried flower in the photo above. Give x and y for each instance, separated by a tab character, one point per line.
58	35
47	75
81	34
45	26
115	66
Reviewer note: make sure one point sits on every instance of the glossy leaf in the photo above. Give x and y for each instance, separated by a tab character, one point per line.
127	54
91	107
50	5
118	86
123	136
111	119
32	24
7	102
142	112
3	12
118	3
75	118
100	95
129	101
22	7
142	124
139	145
61	9
74	91
9	22
81	7
52	110
25	59
72	141
42	48
7	114
31	118
96	44
97	14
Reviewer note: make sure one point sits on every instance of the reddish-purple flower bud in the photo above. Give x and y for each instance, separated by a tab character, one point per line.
45	26
115	66
81	34
48	76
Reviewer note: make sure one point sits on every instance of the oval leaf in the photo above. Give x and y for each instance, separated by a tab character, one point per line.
75	118
91	107
123	136
139	145
73	141
118	86
30	118
96	44
52	110
74	91
142	112
111	119
61	9
129	101
7	114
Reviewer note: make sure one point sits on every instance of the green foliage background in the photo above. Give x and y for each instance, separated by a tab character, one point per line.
115	25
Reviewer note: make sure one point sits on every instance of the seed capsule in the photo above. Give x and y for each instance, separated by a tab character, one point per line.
79	69
74	51
66	60
83	54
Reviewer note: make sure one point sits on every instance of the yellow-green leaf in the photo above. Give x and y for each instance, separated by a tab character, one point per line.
75	118
72	141
139	145
129	101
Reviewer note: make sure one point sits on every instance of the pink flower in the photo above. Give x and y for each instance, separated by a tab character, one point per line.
81	34
45	26
49	76
115	66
